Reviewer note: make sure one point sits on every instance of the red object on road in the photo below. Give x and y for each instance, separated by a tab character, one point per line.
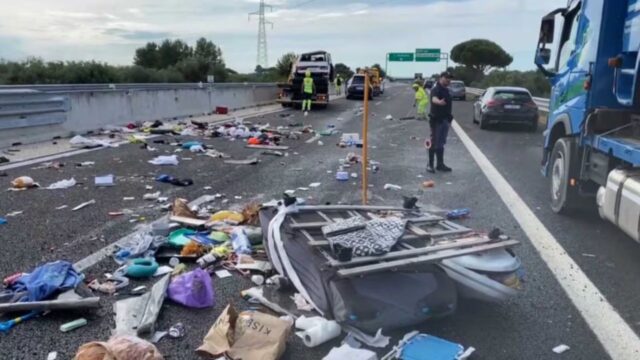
9	280
222	110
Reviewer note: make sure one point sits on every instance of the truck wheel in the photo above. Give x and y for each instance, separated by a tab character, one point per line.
564	166
484	122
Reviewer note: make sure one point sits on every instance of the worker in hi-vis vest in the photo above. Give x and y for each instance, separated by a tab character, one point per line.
308	89
422	100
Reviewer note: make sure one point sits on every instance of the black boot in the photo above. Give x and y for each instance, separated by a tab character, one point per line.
430	168
441	166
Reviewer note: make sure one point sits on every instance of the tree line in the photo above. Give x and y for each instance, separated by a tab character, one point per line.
483	62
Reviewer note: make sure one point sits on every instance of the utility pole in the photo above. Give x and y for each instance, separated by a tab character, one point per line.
262	55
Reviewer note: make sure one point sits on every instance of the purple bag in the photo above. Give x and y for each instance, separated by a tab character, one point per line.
193	289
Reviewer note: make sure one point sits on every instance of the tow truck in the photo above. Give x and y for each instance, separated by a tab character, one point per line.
589	51
322	70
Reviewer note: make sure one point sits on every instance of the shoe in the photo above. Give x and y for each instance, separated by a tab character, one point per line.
430	169
306	113
443	168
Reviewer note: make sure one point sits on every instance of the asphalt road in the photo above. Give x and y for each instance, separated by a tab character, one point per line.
527	327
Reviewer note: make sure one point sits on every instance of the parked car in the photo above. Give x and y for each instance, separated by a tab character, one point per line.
428	84
355	88
458	90
506	105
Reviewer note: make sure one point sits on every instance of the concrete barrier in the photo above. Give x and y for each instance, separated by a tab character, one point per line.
92	110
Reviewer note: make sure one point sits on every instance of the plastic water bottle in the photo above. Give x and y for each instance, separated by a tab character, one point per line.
240	241
458	214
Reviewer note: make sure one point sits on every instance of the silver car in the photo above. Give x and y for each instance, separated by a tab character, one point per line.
506	105
457	90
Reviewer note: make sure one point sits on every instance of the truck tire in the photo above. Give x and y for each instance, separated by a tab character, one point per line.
565	166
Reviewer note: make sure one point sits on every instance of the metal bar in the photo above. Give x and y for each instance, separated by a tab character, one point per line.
365	140
319	224
351	207
92	302
396	264
412	252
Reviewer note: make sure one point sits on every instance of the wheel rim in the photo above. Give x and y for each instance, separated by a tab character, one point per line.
557	177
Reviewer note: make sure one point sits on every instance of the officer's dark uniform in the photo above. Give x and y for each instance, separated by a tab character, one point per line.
440	118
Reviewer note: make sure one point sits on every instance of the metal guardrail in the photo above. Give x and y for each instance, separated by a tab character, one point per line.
24	109
67	88
543	103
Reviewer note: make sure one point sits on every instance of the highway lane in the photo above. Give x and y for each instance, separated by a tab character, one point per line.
608	256
524	328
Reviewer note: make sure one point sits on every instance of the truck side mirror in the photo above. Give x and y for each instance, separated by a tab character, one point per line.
547	28
543	56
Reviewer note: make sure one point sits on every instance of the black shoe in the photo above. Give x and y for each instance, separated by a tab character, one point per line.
430	169
443	168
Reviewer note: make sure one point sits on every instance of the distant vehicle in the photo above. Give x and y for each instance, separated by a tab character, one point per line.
506	105
428	84
322	71
457	89
374	79
355	88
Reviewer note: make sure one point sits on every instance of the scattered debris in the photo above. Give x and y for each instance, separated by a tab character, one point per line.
138	315
79	141
168	179
73	325
165	160
119	347
267	147
314	185
458	214
250	161
128	198
193	289
419	346
3	221
105	180
316	330
273	152
52	355
392	187
23	183
177	331
151	196
347	352
233	335
62	207
428	184
222	273
90	202
62	184
14	213
85	164
588	255
561	348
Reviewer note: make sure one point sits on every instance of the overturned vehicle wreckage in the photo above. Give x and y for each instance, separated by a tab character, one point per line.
375	267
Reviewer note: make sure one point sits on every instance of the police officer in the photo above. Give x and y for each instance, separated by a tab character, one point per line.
422	100
440	119
308	88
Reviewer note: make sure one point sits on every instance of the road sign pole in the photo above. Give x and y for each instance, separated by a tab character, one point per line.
386	64
365	131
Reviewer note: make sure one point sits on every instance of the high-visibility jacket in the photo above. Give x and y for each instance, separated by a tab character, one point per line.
421	95
308	85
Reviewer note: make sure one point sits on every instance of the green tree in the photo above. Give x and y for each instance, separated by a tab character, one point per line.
208	51
172	52
147	56
284	64
343	70
480	54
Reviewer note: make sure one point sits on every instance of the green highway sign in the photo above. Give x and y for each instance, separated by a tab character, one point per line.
428	55
402	57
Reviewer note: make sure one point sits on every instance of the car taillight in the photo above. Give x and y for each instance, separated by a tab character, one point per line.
493	103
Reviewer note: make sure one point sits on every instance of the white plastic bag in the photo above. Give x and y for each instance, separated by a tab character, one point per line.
165	160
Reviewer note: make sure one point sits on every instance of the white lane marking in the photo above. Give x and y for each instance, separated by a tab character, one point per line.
314	139
615	335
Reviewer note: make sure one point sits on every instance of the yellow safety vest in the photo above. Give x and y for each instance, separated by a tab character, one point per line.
421	95
308	85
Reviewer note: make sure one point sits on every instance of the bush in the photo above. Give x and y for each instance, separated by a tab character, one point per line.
534	81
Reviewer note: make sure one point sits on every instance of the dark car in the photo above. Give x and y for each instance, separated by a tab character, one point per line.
355	88
506	105
428	84
458	90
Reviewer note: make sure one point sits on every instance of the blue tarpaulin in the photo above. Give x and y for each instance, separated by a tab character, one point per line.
47	280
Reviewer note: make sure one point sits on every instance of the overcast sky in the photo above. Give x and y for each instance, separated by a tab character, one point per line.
355	32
